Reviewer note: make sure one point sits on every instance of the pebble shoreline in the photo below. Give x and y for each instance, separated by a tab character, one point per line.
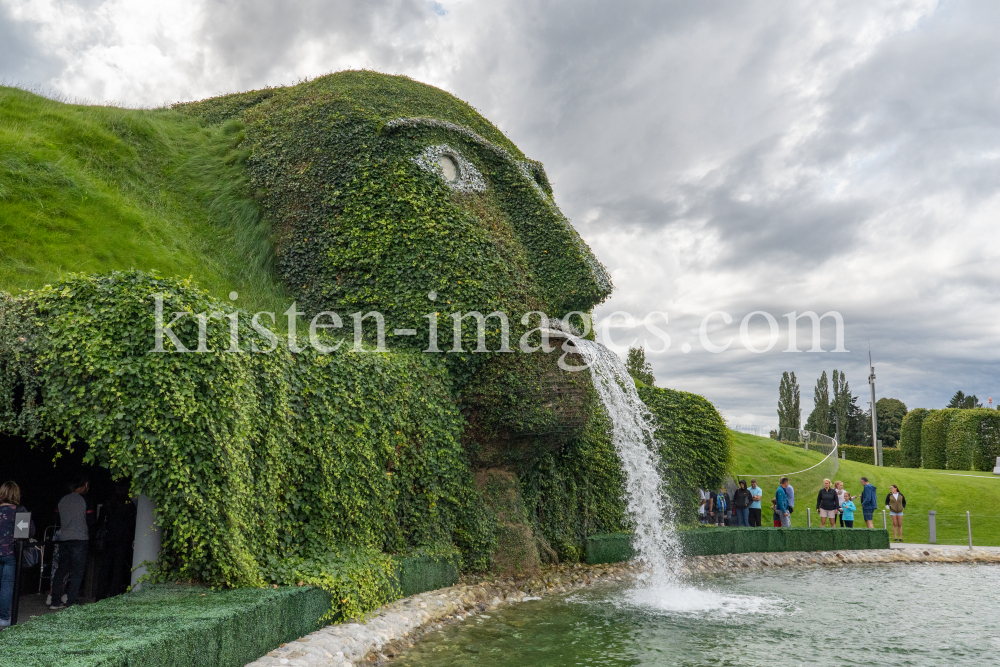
396	626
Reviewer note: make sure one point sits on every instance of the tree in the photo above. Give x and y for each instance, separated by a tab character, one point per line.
859	425
840	405
890	413
640	369
960	400
819	418
789	409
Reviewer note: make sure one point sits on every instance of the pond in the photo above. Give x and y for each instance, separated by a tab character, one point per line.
907	614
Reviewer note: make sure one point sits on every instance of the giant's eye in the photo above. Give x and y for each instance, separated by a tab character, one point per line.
449	167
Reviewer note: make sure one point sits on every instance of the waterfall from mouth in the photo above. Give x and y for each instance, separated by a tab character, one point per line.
632	432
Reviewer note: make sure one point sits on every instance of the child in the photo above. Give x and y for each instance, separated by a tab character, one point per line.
847	510
775	515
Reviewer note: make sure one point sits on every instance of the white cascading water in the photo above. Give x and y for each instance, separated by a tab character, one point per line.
632	433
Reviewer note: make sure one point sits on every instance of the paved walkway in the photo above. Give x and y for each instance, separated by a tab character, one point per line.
909	545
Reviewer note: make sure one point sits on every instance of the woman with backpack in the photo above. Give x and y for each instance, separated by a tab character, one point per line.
741	505
895	502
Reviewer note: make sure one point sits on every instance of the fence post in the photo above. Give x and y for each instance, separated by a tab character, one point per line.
932	527
809	517
885	526
968	521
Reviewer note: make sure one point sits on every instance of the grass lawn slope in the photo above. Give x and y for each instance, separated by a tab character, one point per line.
93	189
950	493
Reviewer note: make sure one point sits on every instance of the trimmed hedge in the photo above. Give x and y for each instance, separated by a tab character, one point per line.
963	432
988	443
170	625
909	440
427	573
167	626
934	438
617	547
891	457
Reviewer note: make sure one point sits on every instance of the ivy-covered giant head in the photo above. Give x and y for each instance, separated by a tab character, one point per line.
386	192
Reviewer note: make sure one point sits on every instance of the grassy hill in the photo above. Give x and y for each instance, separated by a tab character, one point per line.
95	189
950	493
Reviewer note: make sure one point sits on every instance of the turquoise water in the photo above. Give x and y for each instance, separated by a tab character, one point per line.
911	614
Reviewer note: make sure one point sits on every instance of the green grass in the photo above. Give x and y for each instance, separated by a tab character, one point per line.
950	493
94	189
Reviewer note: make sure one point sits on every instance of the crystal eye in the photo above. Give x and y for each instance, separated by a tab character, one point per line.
449	167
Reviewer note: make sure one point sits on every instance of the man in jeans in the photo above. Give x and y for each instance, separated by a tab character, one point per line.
869	501
74	538
755	495
781	503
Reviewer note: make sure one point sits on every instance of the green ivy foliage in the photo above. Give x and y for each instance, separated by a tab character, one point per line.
265	468
909	439
577	491
934	438
362	227
695	446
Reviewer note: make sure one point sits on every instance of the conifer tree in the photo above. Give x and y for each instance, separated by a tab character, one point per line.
819	418
789	409
840	406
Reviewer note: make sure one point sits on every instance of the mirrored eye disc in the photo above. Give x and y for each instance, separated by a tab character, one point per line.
449	167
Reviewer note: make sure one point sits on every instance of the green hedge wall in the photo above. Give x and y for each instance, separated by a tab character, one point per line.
934	438
963	434
167	626
909	440
988	443
892	457
615	548
695	446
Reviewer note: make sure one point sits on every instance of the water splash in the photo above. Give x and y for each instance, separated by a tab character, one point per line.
632	433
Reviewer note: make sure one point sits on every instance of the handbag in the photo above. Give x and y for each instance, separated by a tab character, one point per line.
30	555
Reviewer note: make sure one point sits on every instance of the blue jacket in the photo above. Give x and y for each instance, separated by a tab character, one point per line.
782	499
848	509
869	497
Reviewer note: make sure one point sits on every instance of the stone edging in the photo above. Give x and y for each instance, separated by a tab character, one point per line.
759	561
396	626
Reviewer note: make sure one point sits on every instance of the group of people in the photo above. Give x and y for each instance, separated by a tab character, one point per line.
77	531
832	502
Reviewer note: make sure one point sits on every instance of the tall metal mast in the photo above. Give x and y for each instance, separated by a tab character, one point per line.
875	443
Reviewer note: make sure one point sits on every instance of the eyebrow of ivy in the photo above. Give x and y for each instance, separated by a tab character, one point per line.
434	123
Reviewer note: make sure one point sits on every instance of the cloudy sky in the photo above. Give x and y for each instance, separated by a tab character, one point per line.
720	157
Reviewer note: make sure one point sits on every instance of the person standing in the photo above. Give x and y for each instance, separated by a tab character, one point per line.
828	505
706	500
781	504
74	539
838	486
756	494
722	505
790	492
119	533
895	502
741	503
10	496
869	501
847	510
